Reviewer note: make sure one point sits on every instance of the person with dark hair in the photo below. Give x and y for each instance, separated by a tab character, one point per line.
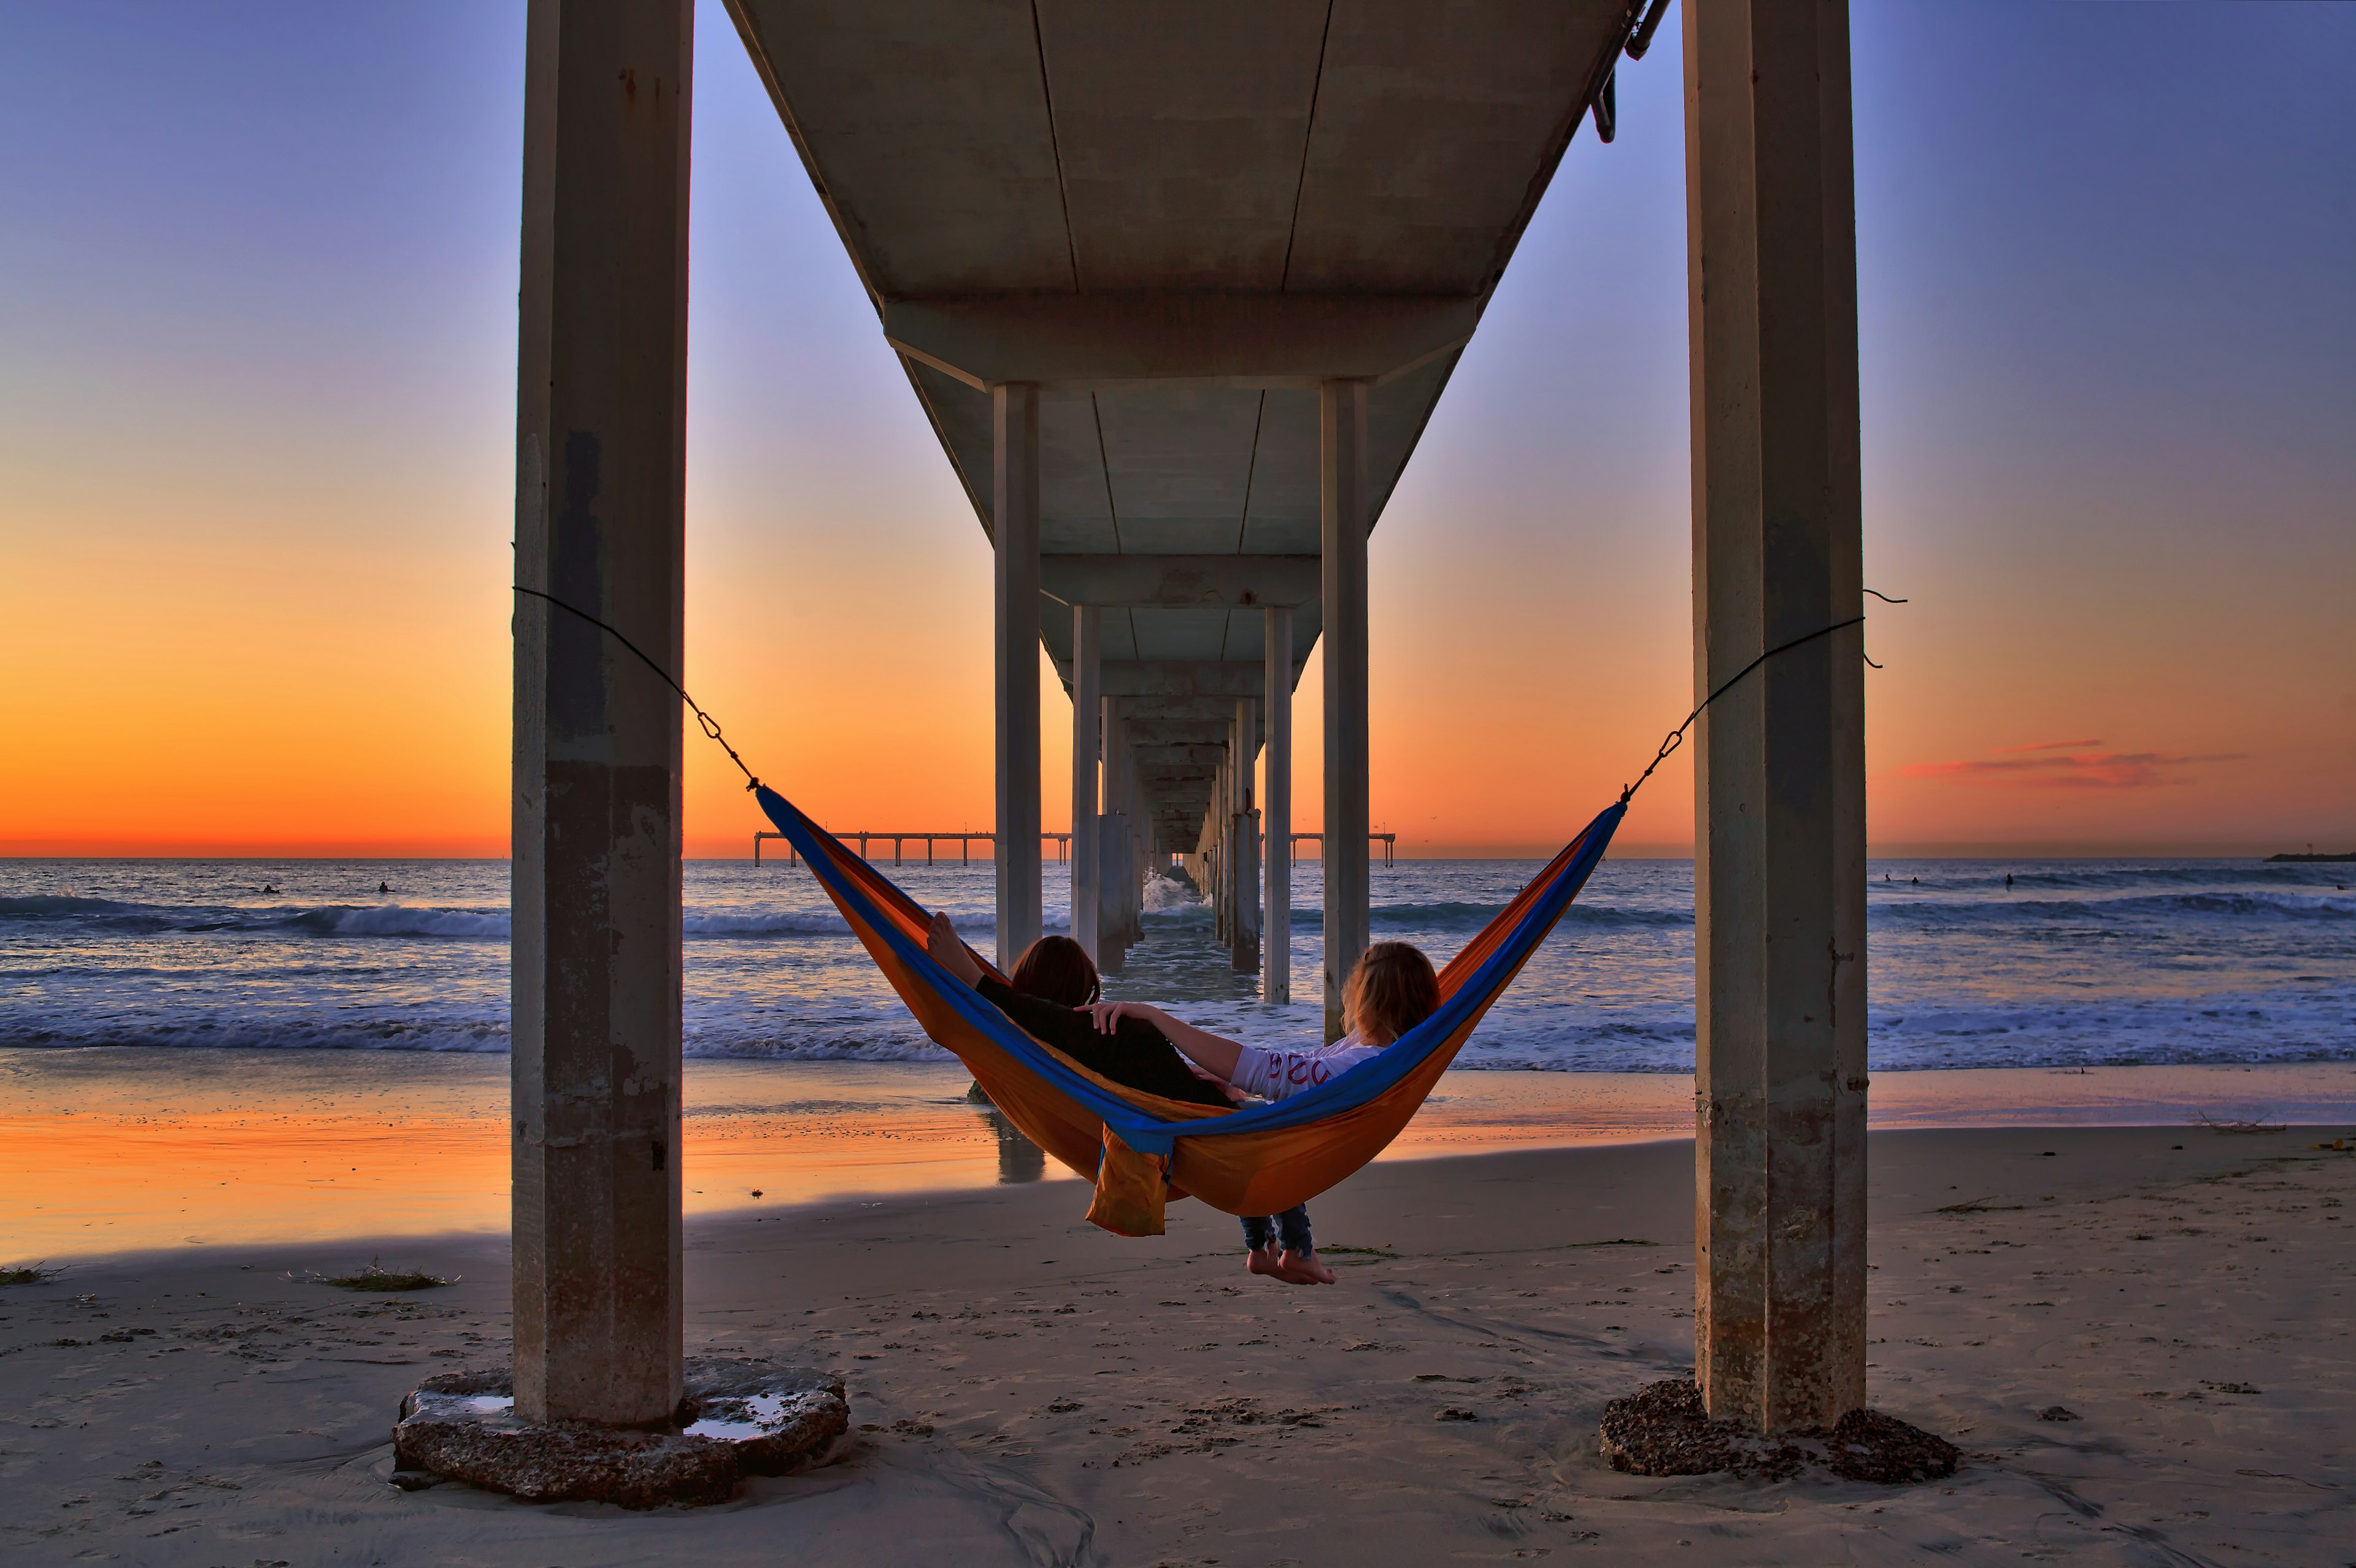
1058	969
1054	998
1053	979
1391	989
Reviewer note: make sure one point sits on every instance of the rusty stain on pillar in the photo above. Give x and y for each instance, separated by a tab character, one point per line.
601	435
1780	1103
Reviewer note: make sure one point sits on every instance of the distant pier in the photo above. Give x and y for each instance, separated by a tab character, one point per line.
964	842
1389	842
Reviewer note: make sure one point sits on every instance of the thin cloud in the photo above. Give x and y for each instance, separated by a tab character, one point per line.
2063	765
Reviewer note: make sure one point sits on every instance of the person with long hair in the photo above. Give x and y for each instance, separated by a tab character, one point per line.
1055	998
1052	983
1390	990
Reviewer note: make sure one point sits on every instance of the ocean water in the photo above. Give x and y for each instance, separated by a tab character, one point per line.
2077	963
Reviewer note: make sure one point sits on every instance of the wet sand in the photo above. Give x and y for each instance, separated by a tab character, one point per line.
111	1149
1031	1391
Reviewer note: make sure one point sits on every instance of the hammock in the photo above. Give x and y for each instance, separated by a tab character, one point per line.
1141	1148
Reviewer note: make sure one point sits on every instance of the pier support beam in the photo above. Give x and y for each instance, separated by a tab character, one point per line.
1243	838
1214	846
600	487
1230	851
1276	809
1112	829
1014	533
1341	485
1779	853
1121	794
1142	843
1087	658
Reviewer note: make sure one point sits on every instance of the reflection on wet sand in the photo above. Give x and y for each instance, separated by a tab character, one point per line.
1019	1160
118	1149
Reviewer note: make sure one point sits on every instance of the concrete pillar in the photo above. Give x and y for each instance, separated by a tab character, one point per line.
1244	839
599	486
1230	800
1214	829
1112	934
1088	643
1244	949
1207	850
1223	809
1231	811
1342	483
1120	773
1276	809
1223	833
1112	855
1779	865
1014	532
1142	843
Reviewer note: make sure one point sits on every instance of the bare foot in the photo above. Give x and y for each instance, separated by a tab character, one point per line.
949	952
1262	1259
1302	1268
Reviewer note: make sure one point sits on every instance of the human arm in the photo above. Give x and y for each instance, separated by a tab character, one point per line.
1135	1055
1214	1052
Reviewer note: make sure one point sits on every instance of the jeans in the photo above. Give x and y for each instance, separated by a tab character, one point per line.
1289	1229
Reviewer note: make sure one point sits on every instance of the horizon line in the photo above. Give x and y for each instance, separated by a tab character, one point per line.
1502	849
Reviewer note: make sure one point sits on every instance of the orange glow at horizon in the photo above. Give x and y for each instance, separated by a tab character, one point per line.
233	682
286	694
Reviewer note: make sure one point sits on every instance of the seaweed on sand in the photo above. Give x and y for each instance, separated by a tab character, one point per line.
376	1277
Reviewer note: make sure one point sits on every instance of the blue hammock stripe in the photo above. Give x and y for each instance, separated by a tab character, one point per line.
1148	1133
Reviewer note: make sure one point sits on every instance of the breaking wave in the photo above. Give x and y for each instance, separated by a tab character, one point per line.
2076	963
229	1031
2283	905
106	917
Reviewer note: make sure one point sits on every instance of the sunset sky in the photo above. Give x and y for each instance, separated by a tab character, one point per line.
257	365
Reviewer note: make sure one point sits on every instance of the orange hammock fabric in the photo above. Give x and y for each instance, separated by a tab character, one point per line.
1140	1147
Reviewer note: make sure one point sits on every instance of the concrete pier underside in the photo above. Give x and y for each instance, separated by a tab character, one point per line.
1178	222
1178	286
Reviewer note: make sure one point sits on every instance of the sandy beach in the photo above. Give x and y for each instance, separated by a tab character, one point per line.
1615	620
1030	1391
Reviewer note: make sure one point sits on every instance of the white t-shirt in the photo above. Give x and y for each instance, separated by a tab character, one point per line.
1276	1074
